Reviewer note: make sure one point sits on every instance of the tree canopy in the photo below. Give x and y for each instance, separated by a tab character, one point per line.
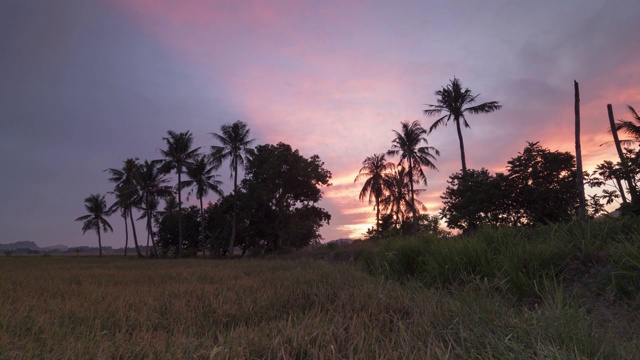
285	187
538	187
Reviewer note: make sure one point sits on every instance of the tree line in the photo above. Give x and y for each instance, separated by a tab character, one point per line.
538	187
273	207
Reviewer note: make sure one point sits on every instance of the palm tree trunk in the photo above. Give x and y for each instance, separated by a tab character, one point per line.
413	199
582	213
235	210
378	214
621	189
146	200
126	235
135	236
179	212
99	240
204	248
150	235
616	140
462	156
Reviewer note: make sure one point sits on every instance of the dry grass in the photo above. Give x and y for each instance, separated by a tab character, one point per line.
117	308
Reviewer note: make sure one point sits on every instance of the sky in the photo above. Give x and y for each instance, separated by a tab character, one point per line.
85	84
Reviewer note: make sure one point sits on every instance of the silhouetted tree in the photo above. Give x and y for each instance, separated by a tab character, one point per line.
126	191
538	188
373	170
630	127
203	180
456	102
543	184
151	183
96	207
122	203
234	145
397	200
476	198
633	129
179	154
407	144
284	188
167	234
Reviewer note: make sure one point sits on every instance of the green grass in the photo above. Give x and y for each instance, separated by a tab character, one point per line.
103	308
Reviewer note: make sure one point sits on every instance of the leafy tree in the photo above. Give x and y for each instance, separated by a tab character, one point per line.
543	184
285	187
387	228
609	175
539	187
179	154
168	231
430	224
203	180
373	170
407	143
218	218
476	198
96	207
456	103
126	192
234	145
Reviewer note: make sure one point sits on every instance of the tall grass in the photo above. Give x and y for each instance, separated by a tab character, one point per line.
86	307
522	262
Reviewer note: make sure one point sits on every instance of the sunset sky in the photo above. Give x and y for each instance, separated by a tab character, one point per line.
85	84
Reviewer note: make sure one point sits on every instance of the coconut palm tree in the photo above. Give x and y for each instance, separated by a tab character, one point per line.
203	180
456	102
96	207
151	183
122	204
178	155
234	145
397	199
407	144
373	170
125	185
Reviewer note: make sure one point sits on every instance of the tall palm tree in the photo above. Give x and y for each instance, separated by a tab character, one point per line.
234	145
456	102
407	144
397	199
96	207
125	185
373	170
203	180
151	184
122	204
178	155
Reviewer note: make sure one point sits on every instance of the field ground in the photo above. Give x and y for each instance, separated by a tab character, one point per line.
67	307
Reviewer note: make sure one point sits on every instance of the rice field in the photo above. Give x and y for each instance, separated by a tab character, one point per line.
67	307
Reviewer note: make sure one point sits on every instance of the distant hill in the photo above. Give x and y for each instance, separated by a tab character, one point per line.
30	247
20	245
